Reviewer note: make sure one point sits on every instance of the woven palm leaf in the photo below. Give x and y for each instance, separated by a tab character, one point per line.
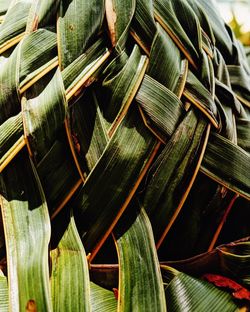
124	157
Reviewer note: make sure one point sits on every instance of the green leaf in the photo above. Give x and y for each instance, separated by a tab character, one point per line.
38	50
10	131
15	21
205	22
228	164
9	80
47	11
58	173
222	37
78	22
120	86
102	300
201	98
27	233
180	22
119	15
88	126
44	113
175	166
186	293
140	281
4	300
143	23
243	134
80	67
235	261
4	5
104	194
168	71
163	107
70	277
239	78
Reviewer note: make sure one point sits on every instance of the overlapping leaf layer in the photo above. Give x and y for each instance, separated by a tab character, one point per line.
123	123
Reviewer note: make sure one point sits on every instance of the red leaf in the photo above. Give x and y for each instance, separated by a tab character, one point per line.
238	291
116	293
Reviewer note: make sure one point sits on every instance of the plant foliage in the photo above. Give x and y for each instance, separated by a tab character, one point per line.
124	148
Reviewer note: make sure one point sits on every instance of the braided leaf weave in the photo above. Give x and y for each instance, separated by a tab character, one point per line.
117	116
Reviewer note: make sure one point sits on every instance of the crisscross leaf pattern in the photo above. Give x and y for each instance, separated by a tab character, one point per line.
123	123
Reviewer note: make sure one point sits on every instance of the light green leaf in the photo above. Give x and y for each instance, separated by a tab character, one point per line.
15	21
4	300
102	300
27	233
140	281
9	80
70	277
37	51
185	293
44	113
10	131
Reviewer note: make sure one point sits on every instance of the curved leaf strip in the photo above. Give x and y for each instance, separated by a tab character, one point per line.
162	106
140	281
228	164
143	23
197	94
166	14
231	260
235	261
27	233
57	173
102	300
222	37
243	134
168	71
4	300
15	21
9	80
240	80
10	131
88	126
78	68
37	50
47	11
204	21
174	166
78	22
70	277
186	293
118	86
104	194
4	5
44	114
119	15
